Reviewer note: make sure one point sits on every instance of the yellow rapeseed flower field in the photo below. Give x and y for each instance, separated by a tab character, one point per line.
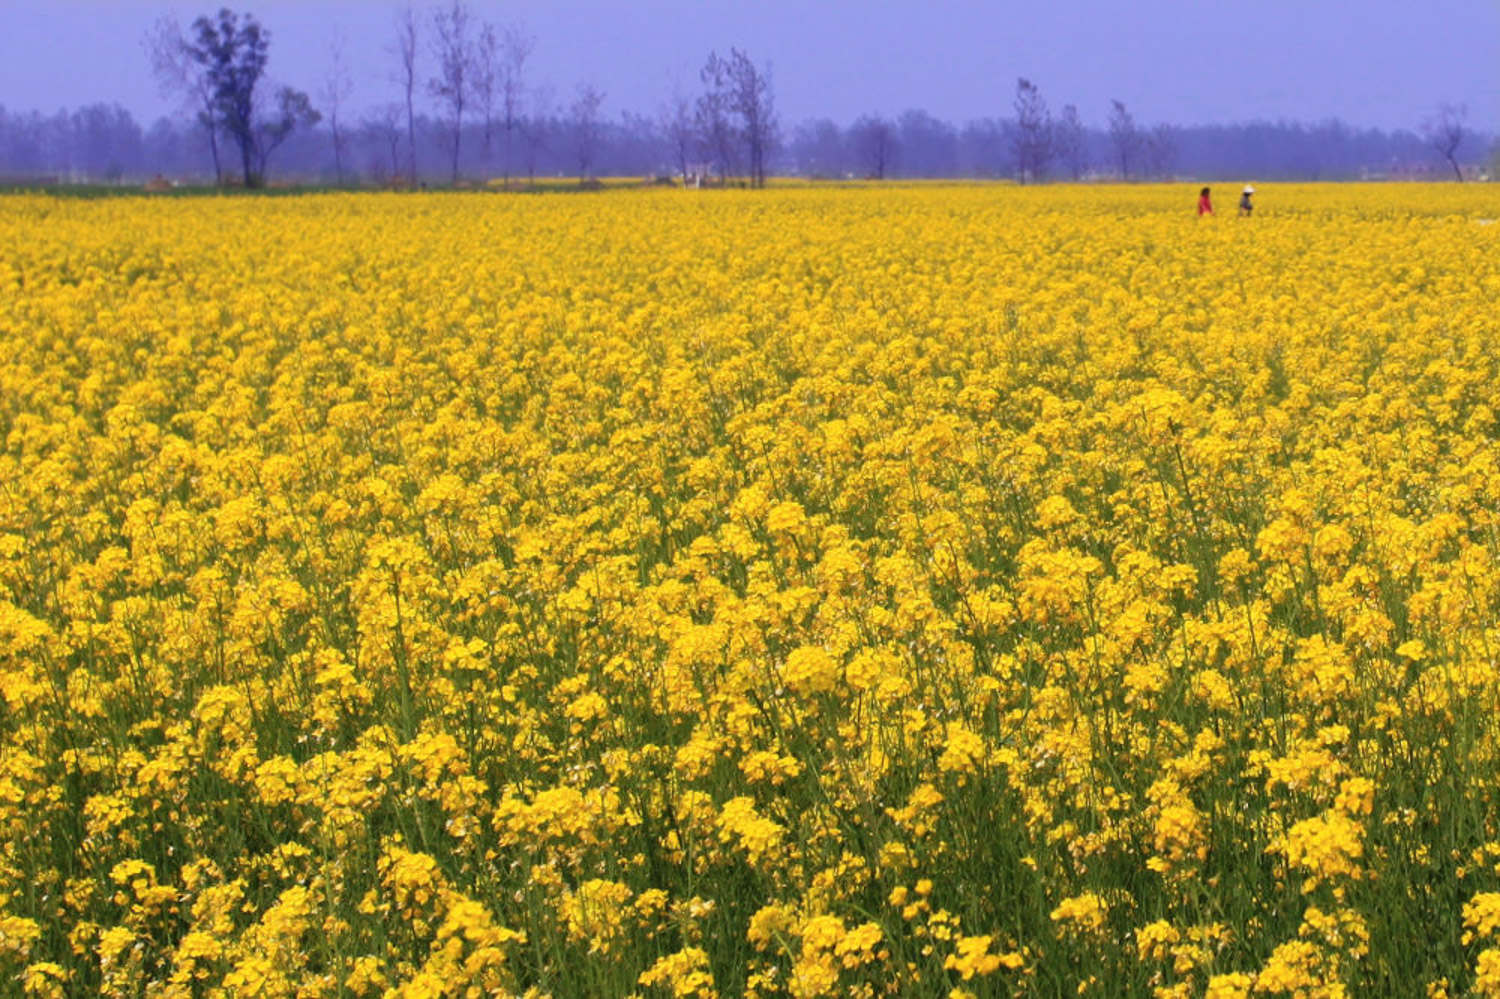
926	591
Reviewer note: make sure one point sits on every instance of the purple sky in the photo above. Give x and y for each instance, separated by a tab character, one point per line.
1386	63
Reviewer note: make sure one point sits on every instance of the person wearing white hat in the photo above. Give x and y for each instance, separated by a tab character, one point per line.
1245	206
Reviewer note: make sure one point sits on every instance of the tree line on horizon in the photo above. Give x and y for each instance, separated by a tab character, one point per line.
464	107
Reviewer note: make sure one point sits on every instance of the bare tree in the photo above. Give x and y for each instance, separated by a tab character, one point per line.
585	114
337	87
385	128
221	67
676	123
1161	151
873	138
453	86
274	120
231	50
486	78
1444	132
233	54
179	74
1032	140
735	85
1068	141
405	50
1124	136
751	98
534	128
515	48
716	134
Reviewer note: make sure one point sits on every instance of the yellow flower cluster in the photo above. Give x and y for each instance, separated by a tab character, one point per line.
862	591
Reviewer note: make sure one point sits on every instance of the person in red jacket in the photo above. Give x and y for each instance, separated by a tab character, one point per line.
1205	206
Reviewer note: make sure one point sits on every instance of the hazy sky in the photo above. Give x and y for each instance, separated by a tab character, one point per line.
1386	63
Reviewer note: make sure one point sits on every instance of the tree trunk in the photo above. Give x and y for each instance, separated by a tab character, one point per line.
213	146
411	139
458	137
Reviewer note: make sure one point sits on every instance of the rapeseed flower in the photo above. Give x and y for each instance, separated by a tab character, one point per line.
859	591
